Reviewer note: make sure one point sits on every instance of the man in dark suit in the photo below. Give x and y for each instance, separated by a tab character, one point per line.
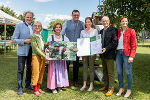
109	44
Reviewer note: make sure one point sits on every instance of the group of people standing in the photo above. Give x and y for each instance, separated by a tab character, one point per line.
119	45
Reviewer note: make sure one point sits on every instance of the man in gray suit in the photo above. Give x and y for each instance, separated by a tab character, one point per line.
21	36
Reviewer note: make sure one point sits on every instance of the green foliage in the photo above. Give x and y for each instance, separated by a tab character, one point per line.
138	12
51	24
9	28
21	17
8	11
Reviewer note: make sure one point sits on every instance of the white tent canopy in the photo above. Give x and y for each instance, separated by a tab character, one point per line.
6	19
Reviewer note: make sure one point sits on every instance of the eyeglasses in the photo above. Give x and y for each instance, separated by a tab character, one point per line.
105	21
37	26
76	15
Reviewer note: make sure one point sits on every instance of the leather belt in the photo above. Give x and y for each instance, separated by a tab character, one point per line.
121	49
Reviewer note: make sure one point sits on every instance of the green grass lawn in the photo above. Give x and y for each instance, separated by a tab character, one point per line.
141	81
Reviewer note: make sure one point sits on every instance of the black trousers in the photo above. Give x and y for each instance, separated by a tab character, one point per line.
21	64
75	69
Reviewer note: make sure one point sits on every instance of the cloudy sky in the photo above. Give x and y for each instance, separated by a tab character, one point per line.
48	10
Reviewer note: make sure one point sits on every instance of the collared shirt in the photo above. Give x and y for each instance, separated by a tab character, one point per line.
84	33
42	42
72	30
30	27
120	43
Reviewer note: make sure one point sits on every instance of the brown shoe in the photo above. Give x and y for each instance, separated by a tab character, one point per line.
37	93
109	93
103	88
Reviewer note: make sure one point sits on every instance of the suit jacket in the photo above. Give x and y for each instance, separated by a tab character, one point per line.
110	42
36	46
129	42
21	33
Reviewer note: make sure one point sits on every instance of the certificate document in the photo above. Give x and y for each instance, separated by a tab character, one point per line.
89	46
96	45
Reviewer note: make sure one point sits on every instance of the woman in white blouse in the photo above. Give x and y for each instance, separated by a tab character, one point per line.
88	32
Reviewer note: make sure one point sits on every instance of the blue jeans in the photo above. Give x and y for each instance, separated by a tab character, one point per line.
120	59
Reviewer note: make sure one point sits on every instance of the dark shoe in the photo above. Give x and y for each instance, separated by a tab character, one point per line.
29	87
103	88
20	93
109	93
75	84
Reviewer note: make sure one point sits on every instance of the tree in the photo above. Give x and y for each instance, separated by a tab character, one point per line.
9	28
8	11
138	12
51	24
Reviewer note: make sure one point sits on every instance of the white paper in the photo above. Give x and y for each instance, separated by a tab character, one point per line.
89	46
83	45
96	46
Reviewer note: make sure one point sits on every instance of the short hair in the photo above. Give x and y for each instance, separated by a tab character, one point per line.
28	12
75	11
39	23
106	17
90	20
123	18
56	25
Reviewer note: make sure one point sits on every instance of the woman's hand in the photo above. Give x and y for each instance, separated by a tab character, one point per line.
77	49
64	49
47	50
47	43
47	58
58	48
130	59
92	54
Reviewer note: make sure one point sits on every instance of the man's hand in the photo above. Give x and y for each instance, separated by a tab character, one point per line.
103	50
27	41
